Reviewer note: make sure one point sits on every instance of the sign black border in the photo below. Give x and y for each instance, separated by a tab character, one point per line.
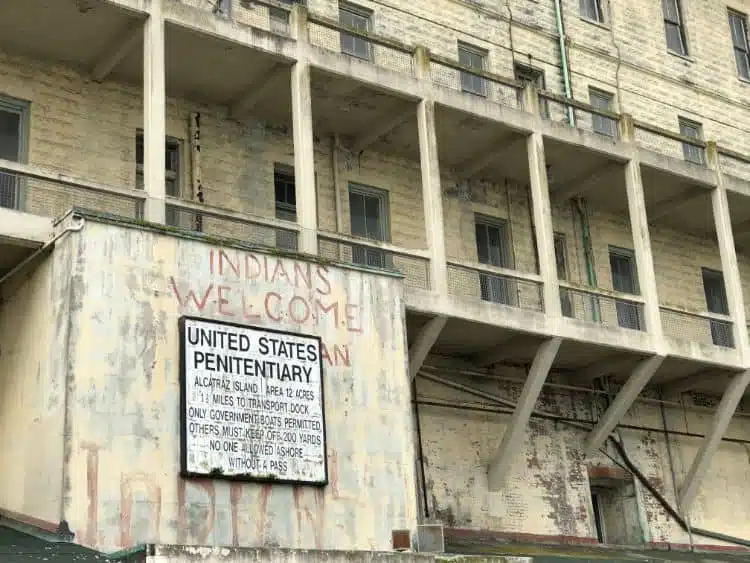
183	409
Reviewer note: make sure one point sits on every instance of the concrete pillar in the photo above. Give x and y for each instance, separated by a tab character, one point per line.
298	23
644	257
729	266
723	416
432	196
514	433
542	213
304	158
154	115
422	62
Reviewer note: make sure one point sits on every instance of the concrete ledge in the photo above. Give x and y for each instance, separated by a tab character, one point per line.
24	229
685	170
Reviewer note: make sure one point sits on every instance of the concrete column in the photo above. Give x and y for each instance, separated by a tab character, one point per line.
542	213
423	344
298	23
154	115
729	401
432	196
729	266
422	62
513	437
644	257
304	158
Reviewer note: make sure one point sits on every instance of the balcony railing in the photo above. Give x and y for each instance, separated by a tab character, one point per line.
269	15
670	144
381	51
703	328
476	82
413	264
219	222
560	109
606	308
33	189
495	285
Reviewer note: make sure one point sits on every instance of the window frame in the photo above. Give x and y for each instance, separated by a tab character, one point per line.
689	150
597	121
527	73
22	109
481	82
366	15
503	226
176	176
679	24
745	49
384	205
223	8
583	10
285	173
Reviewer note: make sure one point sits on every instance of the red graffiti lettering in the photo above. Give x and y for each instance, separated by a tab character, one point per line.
223	301
299	310
191	296
267	301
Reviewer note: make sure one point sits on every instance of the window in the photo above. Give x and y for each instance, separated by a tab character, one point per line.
561	259
716	302
605	101
223	8
625	280
592	10
674	28
741	43
368	217
475	58
493	249
529	75
596	504
286	205
694	130
359	19
14	116
172	174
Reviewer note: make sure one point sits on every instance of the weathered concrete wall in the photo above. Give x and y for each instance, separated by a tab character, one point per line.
124	406
34	311
181	554
548	489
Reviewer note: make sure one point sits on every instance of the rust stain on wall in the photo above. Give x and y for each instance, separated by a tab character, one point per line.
260	528
126	504
235	494
92	491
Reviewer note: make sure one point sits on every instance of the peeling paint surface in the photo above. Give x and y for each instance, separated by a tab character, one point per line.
124	462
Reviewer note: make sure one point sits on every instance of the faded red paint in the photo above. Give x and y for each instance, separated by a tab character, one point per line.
182	523
92	492
126	504
235	494
333	476
260	527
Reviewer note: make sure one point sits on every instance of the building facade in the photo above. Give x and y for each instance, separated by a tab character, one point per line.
519	230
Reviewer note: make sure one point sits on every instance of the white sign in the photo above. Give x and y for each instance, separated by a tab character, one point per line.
252	403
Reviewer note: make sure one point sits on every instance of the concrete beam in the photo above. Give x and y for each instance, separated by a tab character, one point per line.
470	167
117	51
262	86
636	382
379	130
669	205
583	183
505	350
723	416
687	383
606	366
510	446
424	342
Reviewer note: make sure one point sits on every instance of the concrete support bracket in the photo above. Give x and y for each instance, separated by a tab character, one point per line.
298	23
636	382
304	158
501	462
154	115
422	62
531	99
423	344
432	196
723	416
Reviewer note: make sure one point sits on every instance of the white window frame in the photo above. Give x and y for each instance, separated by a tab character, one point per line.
365	53
528	74
472	83
740	52
16	184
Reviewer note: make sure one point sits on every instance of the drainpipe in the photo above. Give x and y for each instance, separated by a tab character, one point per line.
588	254
564	60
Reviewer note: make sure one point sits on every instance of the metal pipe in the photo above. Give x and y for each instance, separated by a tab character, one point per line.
420	450
564	59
